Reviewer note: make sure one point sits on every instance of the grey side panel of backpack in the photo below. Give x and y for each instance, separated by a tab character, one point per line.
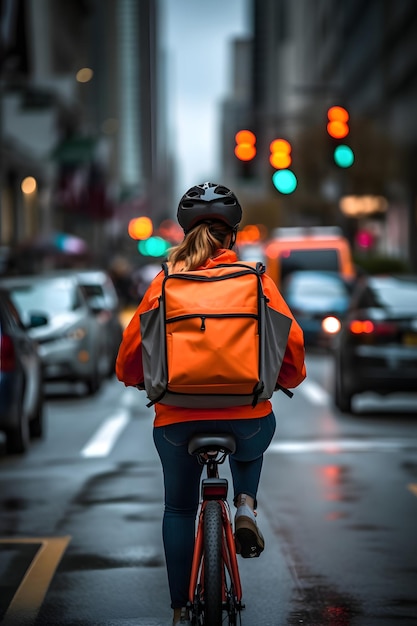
152	325
274	336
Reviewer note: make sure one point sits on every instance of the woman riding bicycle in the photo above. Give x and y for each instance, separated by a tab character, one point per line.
209	215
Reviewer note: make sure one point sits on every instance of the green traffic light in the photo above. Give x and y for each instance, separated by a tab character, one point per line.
343	156
154	246
285	181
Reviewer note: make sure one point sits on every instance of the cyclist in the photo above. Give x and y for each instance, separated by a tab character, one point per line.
210	215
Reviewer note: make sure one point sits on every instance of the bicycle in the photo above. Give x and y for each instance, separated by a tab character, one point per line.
215	589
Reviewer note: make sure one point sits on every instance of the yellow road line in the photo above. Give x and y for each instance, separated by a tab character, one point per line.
31	592
126	315
413	488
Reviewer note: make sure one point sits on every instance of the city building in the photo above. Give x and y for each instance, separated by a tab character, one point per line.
311	55
82	120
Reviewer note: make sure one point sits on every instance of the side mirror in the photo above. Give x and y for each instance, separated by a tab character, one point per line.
37	319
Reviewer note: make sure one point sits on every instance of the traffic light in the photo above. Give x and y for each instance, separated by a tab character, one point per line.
280	157
153	246
338	128
245	149
140	227
245	152
343	156
284	180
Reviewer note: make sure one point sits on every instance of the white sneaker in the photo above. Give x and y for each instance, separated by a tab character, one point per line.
184	617
248	538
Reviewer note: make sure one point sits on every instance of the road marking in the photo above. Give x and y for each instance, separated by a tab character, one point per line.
31	592
314	393
413	488
102	442
334	446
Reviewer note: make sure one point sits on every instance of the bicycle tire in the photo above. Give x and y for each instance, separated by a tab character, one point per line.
213	564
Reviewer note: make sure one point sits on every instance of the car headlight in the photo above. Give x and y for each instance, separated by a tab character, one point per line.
76	334
331	325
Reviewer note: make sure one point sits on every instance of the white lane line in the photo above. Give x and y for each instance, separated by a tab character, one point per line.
343	445
315	393
104	439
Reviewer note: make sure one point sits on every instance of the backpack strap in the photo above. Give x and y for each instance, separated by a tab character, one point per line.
257	266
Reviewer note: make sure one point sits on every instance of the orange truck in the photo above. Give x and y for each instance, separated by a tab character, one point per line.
310	248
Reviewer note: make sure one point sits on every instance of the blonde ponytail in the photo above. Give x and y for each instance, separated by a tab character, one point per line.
198	245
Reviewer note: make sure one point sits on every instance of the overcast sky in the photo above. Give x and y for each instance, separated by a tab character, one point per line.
198	36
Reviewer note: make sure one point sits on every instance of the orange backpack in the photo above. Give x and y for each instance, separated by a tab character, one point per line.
213	341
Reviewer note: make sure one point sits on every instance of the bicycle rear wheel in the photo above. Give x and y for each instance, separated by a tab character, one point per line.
213	564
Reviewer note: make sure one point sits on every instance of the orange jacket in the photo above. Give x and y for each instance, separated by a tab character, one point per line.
129	367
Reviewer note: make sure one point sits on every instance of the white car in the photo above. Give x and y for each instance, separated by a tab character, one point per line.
70	338
102	297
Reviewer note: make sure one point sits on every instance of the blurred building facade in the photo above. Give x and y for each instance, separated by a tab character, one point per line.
82	113
308	55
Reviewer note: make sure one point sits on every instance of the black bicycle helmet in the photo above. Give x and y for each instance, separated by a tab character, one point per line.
208	201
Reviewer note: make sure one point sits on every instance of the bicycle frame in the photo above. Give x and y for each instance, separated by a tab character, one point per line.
214	489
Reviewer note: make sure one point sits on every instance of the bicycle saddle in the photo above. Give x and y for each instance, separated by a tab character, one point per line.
207	442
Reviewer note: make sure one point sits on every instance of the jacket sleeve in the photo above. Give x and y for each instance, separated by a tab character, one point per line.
129	365
293	369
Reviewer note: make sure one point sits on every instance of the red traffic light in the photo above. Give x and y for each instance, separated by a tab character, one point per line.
337	126
280	157
245	149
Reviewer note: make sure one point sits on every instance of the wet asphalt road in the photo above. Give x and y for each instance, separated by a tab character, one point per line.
80	524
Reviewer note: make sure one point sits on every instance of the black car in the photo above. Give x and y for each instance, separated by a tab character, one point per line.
318	300
21	384
377	346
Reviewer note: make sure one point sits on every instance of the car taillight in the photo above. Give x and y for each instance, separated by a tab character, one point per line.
360	327
7	354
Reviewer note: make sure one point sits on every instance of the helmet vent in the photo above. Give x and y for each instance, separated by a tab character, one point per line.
230	201
222	190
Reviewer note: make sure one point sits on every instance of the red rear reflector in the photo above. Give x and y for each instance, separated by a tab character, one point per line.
7	354
215	491
214	488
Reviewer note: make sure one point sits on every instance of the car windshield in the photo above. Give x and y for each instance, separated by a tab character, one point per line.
313	285
53	297
93	290
293	260
396	294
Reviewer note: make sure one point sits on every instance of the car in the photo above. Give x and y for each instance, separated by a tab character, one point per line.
21	382
70	339
318	301
377	346
320	248
102	297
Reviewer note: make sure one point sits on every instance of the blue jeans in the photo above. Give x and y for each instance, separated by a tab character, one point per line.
182	474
